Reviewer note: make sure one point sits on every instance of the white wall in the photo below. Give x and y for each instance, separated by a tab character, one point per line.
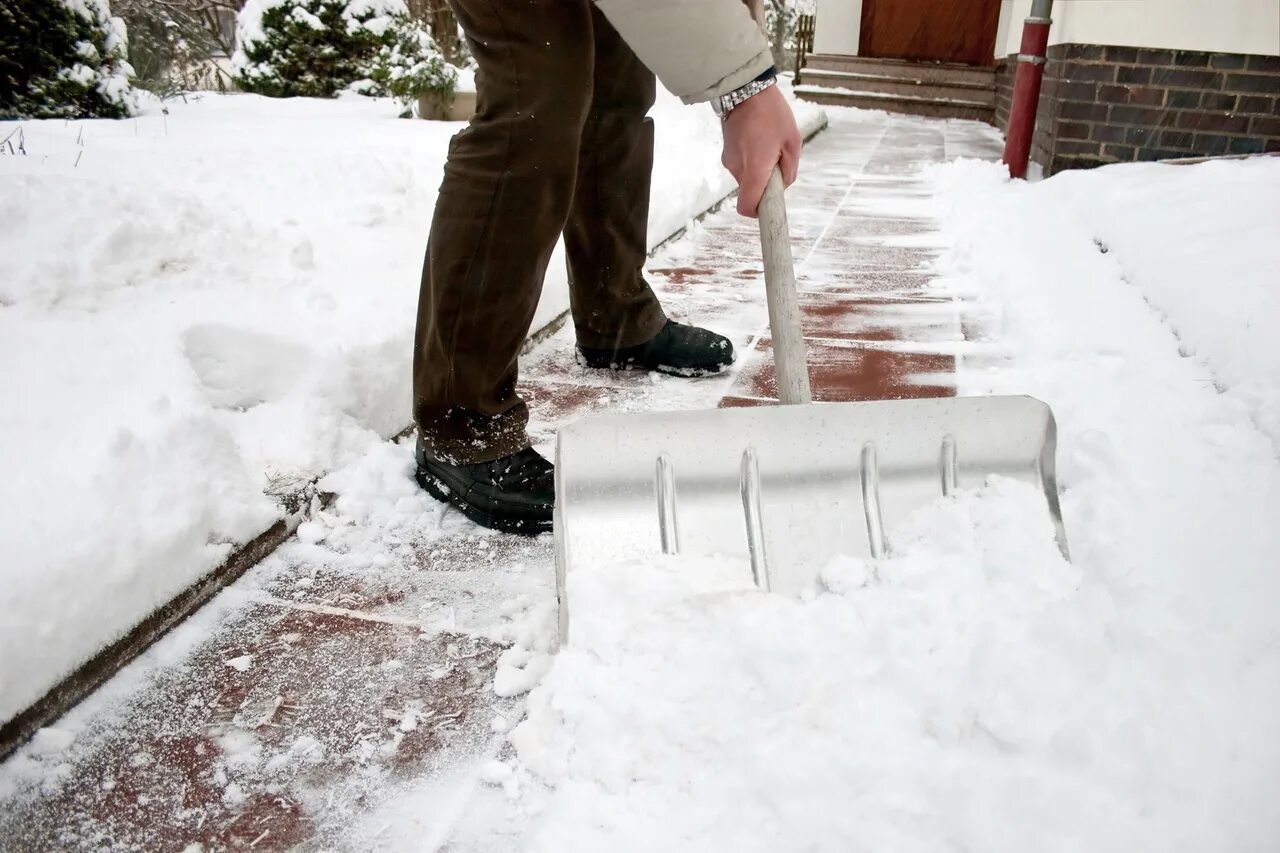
839	24
1227	26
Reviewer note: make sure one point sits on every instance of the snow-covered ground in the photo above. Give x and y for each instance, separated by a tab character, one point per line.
972	691
197	305
976	691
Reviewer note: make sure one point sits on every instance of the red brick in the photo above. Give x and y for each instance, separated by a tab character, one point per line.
1133	74
1117	53
1217	122
1071	91
1187	78
1147	56
1135	115
1082	51
1090	73
1262	84
1123	153
1082	112
1176	139
1075	146
1217	102
1212	144
1072	130
1109	133
1131	95
1265	125
1147	154
1227	61
1269	64
1190	59
1257	104
1139	135
1241	145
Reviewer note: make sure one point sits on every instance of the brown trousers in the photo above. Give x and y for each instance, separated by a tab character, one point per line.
559	144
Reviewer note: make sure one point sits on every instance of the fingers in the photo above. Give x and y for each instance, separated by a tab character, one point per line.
751	189
790	163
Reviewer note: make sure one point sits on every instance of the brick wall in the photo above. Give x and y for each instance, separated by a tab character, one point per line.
1107	104
1005	69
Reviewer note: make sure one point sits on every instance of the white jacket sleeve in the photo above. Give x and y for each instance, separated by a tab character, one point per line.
698	48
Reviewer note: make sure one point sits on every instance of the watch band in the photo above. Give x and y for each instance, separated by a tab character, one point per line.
724	104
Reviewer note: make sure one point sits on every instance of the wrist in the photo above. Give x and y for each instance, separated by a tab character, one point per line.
728	102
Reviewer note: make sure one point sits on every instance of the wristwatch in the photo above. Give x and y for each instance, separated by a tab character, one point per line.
724	104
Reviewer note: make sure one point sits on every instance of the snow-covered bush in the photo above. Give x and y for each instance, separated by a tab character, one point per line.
317	48
173	45
63	59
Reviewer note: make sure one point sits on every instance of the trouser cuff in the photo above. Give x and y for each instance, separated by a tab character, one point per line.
461	437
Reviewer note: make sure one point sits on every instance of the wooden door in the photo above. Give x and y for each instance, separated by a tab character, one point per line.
962	31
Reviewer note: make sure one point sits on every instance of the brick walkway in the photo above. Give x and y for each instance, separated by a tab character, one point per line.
324	682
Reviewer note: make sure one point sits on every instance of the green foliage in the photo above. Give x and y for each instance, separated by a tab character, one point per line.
411	66
62	60
317	48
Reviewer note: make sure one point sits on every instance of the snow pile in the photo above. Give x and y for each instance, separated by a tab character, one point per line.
200	305
974	691
1200	244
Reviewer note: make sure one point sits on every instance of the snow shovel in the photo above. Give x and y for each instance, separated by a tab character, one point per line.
786	487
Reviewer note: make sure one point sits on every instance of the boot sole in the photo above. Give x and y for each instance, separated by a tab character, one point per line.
666	370
439	490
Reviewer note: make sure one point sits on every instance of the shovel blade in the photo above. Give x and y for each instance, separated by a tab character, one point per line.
829	479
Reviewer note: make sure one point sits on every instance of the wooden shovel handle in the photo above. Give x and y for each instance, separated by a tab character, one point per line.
780	289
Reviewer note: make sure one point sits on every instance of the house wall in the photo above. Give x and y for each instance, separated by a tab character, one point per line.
1112	104
839	26
1005	70
1218	26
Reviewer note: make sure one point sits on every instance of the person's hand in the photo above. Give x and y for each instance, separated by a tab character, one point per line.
760	133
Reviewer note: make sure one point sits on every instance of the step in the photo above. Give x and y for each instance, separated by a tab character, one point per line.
927	72
982	93
974	110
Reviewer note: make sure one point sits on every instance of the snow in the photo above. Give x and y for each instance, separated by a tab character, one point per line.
974	690
847	719
1202	250
971	691
199	303
809	89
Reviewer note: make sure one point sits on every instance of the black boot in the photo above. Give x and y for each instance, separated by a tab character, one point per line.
678	350
515	494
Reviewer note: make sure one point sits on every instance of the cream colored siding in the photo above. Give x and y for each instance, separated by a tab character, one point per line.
839	26
1220	26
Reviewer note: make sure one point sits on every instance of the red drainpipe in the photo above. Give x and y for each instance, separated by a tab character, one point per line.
1026	88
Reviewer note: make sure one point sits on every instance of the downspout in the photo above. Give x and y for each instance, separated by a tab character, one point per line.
1026	88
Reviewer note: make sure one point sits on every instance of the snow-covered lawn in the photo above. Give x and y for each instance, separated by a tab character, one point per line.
196	303
975	691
